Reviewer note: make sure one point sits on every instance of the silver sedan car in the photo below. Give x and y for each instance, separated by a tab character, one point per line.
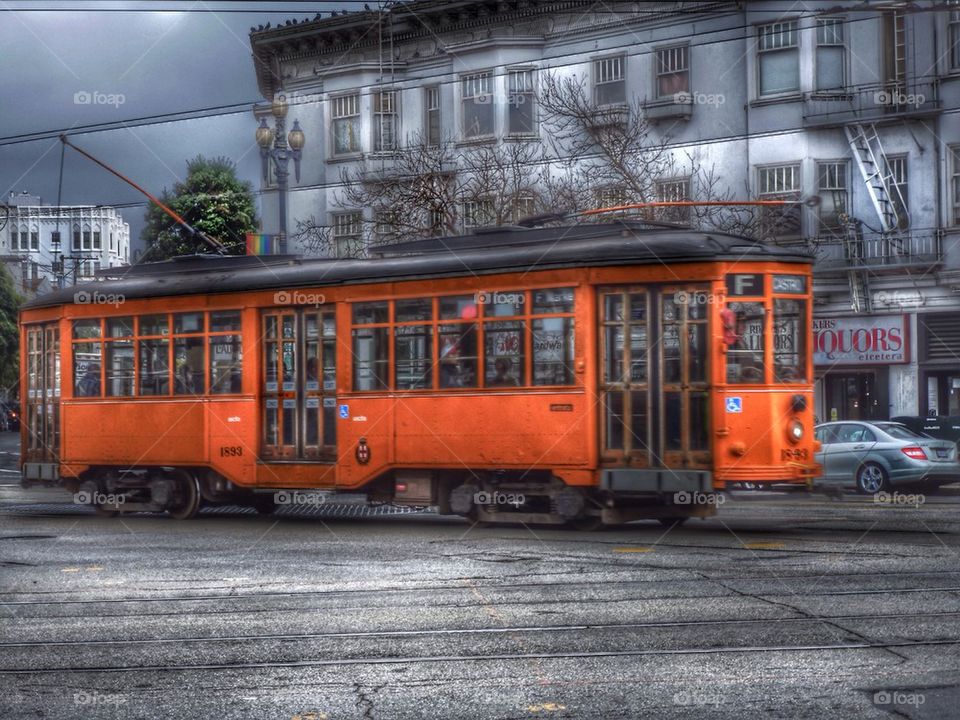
879	456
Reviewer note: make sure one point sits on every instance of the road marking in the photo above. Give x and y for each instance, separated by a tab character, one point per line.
311	716
764	546
632	549
15	472
71	569
546	707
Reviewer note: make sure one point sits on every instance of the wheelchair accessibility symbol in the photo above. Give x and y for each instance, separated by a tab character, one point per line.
734	405
344	411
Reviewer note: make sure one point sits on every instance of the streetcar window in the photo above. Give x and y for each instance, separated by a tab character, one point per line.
119	327
188	323
790	284
225	321
553	300
370	312
745	358
119	359
789	352
504	357
86	367
86	329
226	357
154	367
502	303
414	310
413	354
188	366
458	307
553	351
458	354
154	325
370	357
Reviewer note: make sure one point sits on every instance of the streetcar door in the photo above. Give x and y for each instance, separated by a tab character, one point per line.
684	390
654	377
625	377
299	384
42	394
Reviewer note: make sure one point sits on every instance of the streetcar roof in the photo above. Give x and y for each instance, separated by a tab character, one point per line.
517	249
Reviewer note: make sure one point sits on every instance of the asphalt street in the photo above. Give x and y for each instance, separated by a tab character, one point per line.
782	606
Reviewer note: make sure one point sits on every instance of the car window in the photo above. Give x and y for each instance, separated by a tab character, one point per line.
855	434
900	432
826	434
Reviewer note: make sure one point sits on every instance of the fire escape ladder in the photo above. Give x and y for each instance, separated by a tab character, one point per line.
858	273
882	187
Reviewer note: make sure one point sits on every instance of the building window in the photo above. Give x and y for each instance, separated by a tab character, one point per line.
673	71
431	120
347	231
24	239
778	54
34	240
385	121
779	182
96	240
521	110
832	189
76	237
477	105
953	37
676	190
86	239
831	54
612	196
897	166
609	81
955	182
478	214
346	124
523	206
385	224
55	241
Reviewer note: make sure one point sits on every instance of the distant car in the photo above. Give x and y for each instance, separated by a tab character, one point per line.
11	417
879	456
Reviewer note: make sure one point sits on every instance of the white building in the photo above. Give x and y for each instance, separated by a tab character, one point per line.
855	103
72	241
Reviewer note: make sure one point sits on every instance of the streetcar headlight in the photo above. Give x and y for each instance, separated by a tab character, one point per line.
795	431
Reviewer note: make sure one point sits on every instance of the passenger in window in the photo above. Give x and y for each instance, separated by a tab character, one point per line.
503	378
89	385
183	378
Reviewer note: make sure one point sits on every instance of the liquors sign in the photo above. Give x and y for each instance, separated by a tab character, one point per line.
858	340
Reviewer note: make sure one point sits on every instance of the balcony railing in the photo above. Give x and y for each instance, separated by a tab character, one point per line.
880	253
871	103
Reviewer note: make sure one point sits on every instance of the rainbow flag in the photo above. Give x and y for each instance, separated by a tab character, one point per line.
261	244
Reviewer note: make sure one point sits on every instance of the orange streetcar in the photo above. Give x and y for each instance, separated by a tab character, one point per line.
589	374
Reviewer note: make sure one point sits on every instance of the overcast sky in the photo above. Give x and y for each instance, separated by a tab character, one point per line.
65	65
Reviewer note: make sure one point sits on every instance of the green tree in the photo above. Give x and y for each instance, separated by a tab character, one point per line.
211	199
9	334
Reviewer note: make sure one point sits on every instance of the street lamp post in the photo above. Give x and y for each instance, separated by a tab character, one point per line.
280	147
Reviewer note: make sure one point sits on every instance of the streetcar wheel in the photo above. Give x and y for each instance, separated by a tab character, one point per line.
103	512
186	501
871	479
672	522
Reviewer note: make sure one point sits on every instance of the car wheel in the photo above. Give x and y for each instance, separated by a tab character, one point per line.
871	479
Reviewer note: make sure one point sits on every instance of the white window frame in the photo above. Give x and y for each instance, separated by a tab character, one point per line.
955	185
831	27
774	34
521	91
346	109
34	239
787	183
75	236
668	61
477	88
472	209
431	108
347	227
667	192
609	71
384	112
840	170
